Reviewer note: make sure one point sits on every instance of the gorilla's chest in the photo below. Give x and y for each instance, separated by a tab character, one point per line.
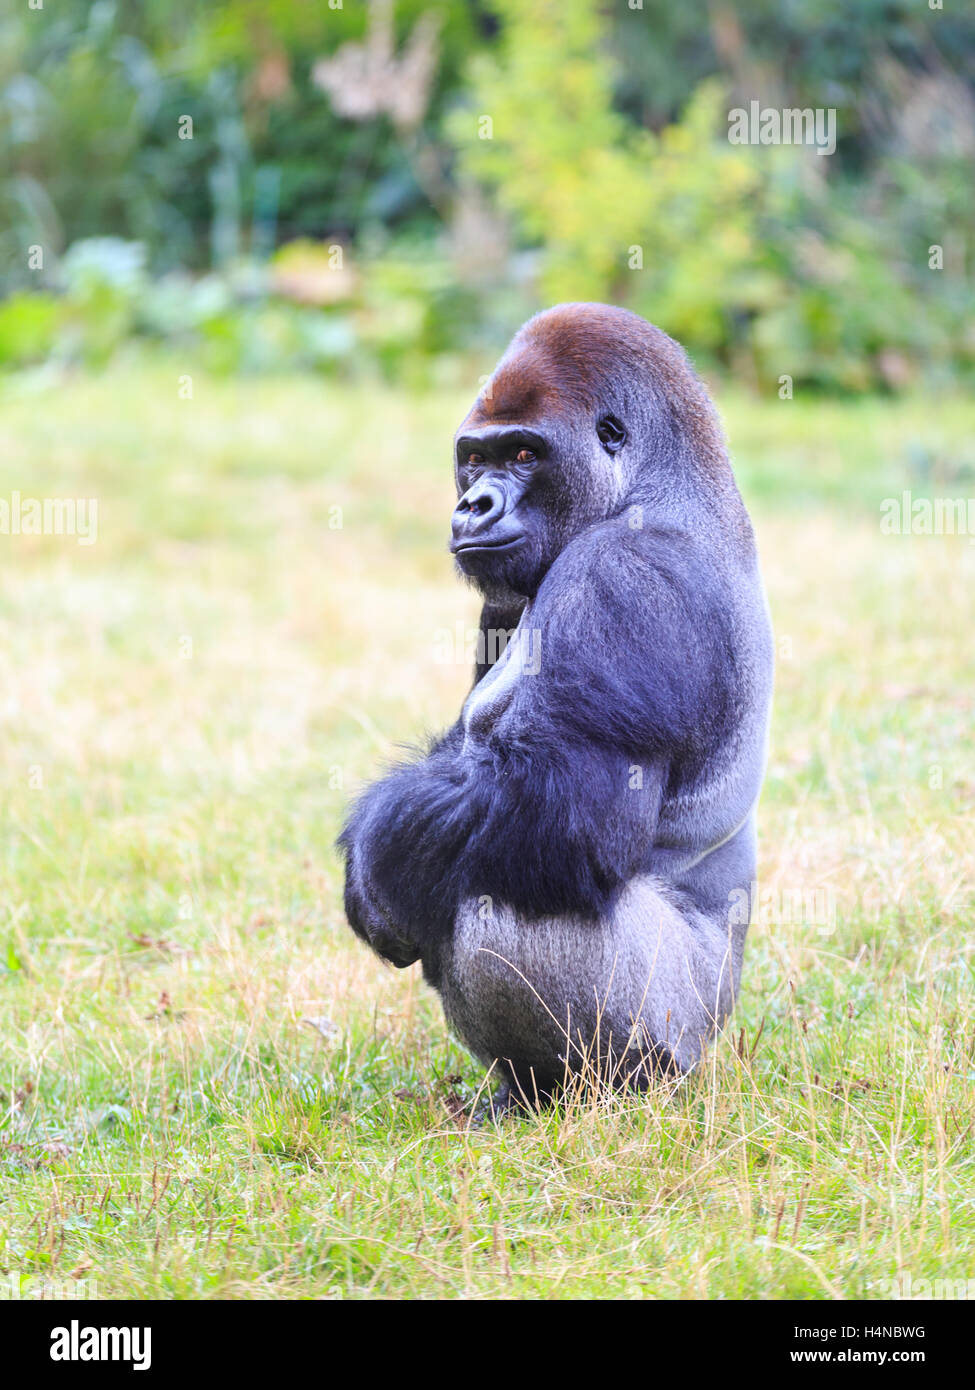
494	692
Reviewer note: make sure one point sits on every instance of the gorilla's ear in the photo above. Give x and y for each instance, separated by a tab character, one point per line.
611	433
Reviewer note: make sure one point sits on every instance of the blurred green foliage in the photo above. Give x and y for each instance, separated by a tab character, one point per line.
173	171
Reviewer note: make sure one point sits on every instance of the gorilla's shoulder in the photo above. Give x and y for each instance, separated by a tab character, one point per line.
615	568
636	636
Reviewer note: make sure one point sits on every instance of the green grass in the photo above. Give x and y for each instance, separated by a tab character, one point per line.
209	1089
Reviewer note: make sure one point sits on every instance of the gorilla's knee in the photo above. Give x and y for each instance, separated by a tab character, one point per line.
503	999
615	1001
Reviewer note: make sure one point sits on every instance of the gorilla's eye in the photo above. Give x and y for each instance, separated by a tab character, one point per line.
611	434
475	458
525	456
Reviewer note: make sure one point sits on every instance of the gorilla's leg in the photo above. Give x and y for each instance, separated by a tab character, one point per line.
623	1000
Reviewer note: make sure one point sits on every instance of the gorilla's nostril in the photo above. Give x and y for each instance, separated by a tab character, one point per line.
480	507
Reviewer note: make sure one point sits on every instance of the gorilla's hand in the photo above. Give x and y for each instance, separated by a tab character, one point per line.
400	838
369	919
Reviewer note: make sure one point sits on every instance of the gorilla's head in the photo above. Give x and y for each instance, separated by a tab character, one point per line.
590	410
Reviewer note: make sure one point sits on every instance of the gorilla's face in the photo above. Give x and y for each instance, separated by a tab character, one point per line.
502	534
568	432
525	489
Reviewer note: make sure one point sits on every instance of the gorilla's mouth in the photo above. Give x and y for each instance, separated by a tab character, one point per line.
480	547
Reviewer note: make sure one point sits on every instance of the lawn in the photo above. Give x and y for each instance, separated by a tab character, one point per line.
209	1089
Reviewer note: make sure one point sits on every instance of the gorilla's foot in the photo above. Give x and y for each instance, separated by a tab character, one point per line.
495	1108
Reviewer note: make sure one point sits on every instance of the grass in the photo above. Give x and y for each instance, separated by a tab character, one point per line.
209	1089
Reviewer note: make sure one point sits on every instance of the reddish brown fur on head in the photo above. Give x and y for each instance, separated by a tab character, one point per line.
579	359
583	358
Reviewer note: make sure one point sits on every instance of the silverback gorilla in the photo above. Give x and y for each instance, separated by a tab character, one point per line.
569	861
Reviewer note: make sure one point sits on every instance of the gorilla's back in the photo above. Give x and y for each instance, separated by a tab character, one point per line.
705	841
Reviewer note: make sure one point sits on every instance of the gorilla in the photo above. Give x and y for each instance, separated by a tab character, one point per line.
573	861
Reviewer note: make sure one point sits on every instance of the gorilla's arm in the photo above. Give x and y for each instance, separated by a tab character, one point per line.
555	809
366	912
